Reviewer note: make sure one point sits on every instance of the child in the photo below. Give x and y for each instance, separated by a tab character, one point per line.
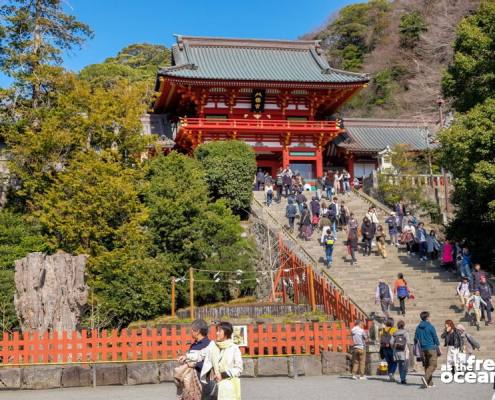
477	301
328	242
464	294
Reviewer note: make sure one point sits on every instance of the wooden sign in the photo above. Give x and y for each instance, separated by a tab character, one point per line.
258	100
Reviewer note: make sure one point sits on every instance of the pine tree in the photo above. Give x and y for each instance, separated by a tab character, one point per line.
33	36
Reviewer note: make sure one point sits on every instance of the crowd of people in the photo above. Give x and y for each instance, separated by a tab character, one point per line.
211	369
399	351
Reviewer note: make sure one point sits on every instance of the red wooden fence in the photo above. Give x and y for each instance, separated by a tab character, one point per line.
166	343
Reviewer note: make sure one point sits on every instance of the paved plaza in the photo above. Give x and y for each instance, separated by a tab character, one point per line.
307	388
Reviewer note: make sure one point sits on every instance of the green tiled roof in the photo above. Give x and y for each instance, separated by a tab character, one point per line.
377	138
254	60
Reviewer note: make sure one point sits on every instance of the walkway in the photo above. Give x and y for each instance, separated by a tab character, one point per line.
307	388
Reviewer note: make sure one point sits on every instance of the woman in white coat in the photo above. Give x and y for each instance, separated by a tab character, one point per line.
223	364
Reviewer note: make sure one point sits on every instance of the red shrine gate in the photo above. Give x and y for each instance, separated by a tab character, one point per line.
278	96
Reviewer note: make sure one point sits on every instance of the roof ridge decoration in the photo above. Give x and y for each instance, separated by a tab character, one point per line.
243	42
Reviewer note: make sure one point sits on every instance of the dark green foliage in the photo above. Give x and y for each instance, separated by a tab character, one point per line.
354	33
411	26
195	232
229	170
468	149
128	285
134	63
17	238
470	79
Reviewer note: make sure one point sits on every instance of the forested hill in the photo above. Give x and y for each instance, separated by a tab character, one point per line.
404	44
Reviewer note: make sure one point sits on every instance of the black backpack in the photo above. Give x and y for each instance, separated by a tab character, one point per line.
385	339
400	342
383	291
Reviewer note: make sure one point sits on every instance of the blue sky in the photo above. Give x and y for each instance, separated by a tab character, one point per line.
117	23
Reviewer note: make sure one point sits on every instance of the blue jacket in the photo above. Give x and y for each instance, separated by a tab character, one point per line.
427	336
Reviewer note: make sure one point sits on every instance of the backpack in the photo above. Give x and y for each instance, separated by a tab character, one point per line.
402	291
385	339
291	211
400	342
383	290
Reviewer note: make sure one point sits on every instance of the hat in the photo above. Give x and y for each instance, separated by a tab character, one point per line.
461	327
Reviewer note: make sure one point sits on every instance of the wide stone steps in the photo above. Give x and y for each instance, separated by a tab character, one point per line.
434	288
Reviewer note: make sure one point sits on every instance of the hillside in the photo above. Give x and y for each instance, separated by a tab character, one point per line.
404	45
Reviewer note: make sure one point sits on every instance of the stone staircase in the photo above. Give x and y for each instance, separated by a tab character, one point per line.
434	289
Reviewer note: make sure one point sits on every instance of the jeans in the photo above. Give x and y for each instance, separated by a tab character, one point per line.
422	249
385	305
269	198
388	354
287	190
402	303
367	246
329	254
279	194
291	222
346	187
329	190
353	254
487	310
402	364
334	229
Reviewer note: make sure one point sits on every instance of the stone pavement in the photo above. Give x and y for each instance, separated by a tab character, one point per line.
307	388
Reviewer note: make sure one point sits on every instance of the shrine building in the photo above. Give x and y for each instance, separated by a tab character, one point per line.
279	96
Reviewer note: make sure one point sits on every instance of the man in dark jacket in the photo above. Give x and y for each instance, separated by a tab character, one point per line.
368	232
486	294
427	337
477	274
291	212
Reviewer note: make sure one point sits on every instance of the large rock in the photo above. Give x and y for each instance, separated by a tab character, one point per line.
77	376
248	368
140	373
50	291
273	366
10	378
167	371
334	363
111	374
41	377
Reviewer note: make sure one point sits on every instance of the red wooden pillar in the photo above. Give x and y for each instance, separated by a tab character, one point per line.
319	163
285	157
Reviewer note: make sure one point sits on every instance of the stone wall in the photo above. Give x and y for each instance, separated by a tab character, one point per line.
50	377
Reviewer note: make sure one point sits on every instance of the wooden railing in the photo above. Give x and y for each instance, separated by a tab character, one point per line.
220	124
165	343
418	180
308	285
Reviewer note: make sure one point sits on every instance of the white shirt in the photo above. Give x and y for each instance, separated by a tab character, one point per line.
232	355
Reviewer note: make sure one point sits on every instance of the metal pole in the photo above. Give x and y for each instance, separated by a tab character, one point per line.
191	292
173	297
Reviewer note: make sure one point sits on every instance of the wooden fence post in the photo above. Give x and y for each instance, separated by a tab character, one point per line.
191	292
173	297
311	288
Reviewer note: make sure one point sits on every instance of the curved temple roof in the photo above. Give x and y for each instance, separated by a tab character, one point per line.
254	60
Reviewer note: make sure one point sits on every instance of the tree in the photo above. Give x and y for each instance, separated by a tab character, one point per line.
128	285
229	170
92	206
134	63
196	232
33	36
411	26
467	151
18	237
79	118
470	79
